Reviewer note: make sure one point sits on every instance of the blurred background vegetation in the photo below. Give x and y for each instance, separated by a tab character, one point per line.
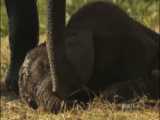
145	11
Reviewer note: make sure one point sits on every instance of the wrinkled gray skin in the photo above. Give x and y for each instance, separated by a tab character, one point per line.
35	84
102	49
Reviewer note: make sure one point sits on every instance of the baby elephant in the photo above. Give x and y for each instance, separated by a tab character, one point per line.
35	82
35	85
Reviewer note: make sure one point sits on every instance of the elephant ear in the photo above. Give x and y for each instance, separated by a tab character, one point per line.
80	53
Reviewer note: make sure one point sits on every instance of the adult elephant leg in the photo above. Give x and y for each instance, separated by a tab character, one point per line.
23	36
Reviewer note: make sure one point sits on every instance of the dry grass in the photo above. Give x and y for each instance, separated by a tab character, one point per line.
13	109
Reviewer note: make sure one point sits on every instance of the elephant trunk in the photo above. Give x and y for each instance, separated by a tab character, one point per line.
62	72
55	43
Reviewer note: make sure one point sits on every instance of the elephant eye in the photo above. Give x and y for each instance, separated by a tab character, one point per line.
32	103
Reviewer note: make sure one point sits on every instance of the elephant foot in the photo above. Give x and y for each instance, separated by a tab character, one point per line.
131	91
128	91
11	81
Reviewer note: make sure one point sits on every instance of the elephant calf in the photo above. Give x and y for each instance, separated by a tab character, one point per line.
35	82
